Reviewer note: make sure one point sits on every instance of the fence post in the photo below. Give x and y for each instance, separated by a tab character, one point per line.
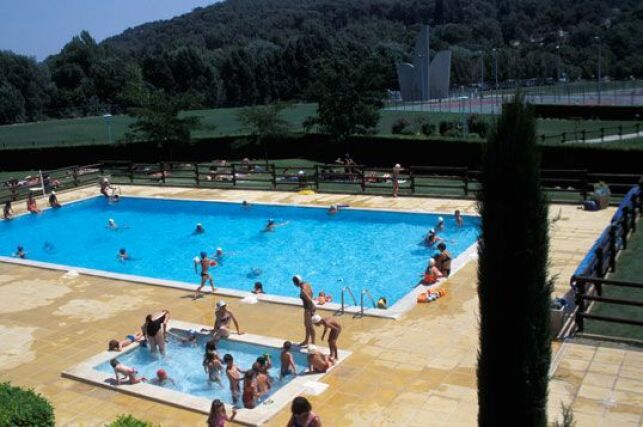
602	134
583	135
363	183
633	214
600	259
234	176
580	303
620	132
584	184
273	169
626	225
197	178
162	170
563	136
316	177
612	243
412	178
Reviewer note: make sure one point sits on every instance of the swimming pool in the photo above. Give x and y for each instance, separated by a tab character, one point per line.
183	363
378	250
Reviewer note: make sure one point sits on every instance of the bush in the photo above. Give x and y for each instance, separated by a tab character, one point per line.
400	127
427	129
129	421
475	125
19	407
445	127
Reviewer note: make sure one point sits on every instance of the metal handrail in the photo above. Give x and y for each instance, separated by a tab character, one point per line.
344	289
361	301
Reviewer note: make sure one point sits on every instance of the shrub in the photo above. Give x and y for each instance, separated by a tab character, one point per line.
400	126
475	125
20	407
445	127
129	421
427	129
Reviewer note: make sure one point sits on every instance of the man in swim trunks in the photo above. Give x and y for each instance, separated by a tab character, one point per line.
306	295
234	377
335	327
317	362
205	263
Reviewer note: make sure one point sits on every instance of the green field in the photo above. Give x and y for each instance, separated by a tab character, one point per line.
629	268
224	122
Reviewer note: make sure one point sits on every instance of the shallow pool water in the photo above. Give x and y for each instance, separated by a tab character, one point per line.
184	365
380	251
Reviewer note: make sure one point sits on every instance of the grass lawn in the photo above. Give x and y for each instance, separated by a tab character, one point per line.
223	121
629	268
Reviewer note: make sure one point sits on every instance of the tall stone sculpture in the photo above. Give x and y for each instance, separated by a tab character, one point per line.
425	79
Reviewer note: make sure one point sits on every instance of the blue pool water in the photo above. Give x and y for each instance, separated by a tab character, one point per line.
184	365
381	251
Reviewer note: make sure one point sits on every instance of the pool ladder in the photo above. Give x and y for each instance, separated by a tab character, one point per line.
365	291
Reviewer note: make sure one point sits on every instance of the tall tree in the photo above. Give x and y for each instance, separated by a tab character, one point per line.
158	121
513	285
348	98
264	122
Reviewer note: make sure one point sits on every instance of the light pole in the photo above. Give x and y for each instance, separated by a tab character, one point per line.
598	77
108	122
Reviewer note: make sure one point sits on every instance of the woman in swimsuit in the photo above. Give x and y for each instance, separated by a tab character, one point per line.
154	330
222	322
302	414
306	295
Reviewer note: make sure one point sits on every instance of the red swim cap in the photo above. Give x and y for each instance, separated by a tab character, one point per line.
161	373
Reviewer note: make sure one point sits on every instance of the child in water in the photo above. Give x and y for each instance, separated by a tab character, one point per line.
287	361
234	377
212	366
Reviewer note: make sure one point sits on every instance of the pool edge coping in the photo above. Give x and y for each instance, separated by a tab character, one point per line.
85	371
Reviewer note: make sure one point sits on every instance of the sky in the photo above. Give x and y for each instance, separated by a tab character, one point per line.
39	28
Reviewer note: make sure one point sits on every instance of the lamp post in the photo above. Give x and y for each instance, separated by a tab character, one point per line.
598	77
108	123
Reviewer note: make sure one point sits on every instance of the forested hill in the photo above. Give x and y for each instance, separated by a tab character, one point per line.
244	52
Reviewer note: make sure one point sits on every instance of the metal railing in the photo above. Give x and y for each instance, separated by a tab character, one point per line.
361	301
614	133
346	289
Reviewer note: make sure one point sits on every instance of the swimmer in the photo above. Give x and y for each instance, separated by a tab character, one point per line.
115	198
440	225
188	338
382	303
443	260
32	206
255	272
126	372
48	248
123	255
212	366
211	347
199	229
271	225
218	255
245	204
263	364
111	224
258	288
234	377
287	361
53	200
162	378
332	210
431	238
250	393
318	363
20	253
7	210
116	345
459	221
205	275
329	323
323	298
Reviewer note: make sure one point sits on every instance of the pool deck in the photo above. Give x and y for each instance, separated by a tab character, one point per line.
415	371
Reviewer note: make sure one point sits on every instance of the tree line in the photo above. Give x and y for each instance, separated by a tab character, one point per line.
244	52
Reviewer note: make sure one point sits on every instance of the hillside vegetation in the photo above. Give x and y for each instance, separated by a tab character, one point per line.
246	52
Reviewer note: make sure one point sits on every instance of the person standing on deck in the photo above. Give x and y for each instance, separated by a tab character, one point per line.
205	263
306	295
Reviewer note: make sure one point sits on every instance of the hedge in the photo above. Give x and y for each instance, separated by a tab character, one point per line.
20	407
129	421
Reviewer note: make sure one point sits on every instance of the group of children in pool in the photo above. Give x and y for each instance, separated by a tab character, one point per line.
439	265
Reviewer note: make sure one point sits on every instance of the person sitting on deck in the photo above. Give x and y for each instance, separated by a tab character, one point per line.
443	260
53	200
32	206
7	210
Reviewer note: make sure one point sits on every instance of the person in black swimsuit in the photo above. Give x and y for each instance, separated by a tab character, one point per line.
306	295
154	330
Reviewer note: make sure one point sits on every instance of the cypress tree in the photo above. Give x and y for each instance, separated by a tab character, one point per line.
513	285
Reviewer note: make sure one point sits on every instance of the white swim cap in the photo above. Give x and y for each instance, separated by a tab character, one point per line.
198	224
53	193
312	348
221	303
316	318
219	250
440	219
197	260
111	221
432	230
397	166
